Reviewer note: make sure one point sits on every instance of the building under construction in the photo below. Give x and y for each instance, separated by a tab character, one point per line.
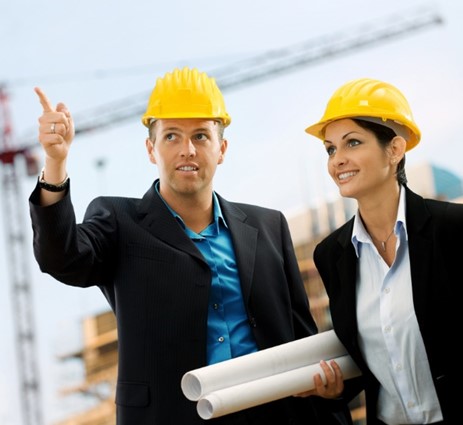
99	359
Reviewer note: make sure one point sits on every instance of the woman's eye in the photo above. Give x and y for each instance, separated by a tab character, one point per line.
331	150
353	142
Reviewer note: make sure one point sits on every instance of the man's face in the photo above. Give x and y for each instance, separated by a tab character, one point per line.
187	152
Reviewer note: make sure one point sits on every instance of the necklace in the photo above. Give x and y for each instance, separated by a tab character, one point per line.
383	243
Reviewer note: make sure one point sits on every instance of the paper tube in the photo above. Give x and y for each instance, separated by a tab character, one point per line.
271	361
270	388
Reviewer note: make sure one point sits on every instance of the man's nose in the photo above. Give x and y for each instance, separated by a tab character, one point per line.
188	148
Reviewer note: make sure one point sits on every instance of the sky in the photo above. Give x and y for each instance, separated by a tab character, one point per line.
92	55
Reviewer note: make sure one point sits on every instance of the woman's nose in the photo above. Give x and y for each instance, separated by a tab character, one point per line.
339	158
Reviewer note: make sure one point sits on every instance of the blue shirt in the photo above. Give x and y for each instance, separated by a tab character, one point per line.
228	331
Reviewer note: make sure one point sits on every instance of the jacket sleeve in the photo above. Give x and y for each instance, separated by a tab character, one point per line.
75	254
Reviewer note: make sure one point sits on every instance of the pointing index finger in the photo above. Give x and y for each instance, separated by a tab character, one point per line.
44	101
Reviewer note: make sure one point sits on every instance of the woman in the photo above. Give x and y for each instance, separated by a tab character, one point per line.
388	271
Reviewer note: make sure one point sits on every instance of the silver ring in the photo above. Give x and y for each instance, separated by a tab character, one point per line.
52	129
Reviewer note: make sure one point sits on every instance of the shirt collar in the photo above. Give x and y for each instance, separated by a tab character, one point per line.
360	234
218	216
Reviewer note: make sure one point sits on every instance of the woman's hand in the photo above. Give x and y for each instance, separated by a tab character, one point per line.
330	387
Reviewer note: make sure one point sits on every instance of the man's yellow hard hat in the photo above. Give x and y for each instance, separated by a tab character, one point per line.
373	100
186	93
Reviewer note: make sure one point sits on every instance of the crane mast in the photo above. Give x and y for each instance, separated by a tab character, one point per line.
17	249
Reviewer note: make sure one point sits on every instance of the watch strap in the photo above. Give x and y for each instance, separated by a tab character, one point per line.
53	187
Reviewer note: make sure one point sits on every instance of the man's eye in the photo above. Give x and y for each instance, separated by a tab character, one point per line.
170	136
200	136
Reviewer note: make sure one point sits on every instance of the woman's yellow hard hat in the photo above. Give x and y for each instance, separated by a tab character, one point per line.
371	99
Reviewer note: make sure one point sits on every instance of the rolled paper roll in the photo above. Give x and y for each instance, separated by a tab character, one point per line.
267	389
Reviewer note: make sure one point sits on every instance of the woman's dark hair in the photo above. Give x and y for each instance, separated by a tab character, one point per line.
385	135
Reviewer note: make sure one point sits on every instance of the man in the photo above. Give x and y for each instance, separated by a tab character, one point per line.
192	278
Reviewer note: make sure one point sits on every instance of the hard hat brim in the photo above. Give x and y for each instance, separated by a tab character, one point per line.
318	128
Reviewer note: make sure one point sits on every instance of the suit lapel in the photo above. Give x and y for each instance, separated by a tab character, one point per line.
244	239
420	245
158	220
347	274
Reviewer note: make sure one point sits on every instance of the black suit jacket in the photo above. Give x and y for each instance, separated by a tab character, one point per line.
158	283
434	230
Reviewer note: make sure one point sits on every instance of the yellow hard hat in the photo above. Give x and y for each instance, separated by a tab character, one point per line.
372	100
186	93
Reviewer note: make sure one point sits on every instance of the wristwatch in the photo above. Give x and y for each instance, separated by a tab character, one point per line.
53	187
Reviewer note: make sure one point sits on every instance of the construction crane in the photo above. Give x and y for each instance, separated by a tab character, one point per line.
16	159
13	161
269	65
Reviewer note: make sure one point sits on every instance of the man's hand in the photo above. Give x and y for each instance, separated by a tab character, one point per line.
56	130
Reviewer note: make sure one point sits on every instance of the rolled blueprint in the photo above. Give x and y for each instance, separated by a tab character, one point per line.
281	358
265	375
263	390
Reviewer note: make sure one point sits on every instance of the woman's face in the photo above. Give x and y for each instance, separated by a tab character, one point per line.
356	161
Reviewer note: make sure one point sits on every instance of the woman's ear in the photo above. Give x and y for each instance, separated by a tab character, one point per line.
398	146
